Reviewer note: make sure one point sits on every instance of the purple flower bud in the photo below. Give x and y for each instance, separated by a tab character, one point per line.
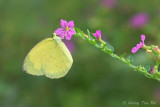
152	70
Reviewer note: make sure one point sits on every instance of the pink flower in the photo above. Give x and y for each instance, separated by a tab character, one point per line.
66	30
139	20
138	46
97	34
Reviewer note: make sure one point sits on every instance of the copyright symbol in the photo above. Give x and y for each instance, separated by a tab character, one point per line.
124	102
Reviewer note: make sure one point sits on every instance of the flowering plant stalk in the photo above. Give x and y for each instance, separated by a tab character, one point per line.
96	40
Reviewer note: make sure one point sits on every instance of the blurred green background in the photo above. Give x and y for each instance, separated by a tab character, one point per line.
95	79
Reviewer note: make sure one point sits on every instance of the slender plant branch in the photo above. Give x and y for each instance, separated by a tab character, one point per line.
107	48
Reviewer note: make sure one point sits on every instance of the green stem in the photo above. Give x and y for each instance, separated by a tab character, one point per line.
101	41
140	69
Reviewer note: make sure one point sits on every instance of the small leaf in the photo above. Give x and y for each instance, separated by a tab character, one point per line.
89	34
109	51
114	56
94	37
91	37
110	47
129	59
122	55
147	68
79	33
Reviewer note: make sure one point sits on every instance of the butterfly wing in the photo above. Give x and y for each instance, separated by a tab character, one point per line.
50	57
33	61
57	62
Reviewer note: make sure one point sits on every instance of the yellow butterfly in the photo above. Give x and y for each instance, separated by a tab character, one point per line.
50	57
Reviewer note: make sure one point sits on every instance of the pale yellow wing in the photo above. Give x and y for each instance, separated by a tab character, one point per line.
57	62
50	57
33	61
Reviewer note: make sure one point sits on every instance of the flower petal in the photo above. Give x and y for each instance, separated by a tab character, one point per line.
138	45
97	34
71	32
62	35
134	50
68	36
141	44
143	38
59	31
71	24
63	23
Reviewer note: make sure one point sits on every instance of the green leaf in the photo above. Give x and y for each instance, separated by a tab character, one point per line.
129	59
122	55
109	51
79	33
91	37
94	37
147	68
114	55
110	47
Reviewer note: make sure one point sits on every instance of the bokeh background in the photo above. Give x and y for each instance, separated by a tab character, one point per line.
95	79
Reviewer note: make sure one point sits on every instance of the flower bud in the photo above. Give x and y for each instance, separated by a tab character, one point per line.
156	58
157	49
153	70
